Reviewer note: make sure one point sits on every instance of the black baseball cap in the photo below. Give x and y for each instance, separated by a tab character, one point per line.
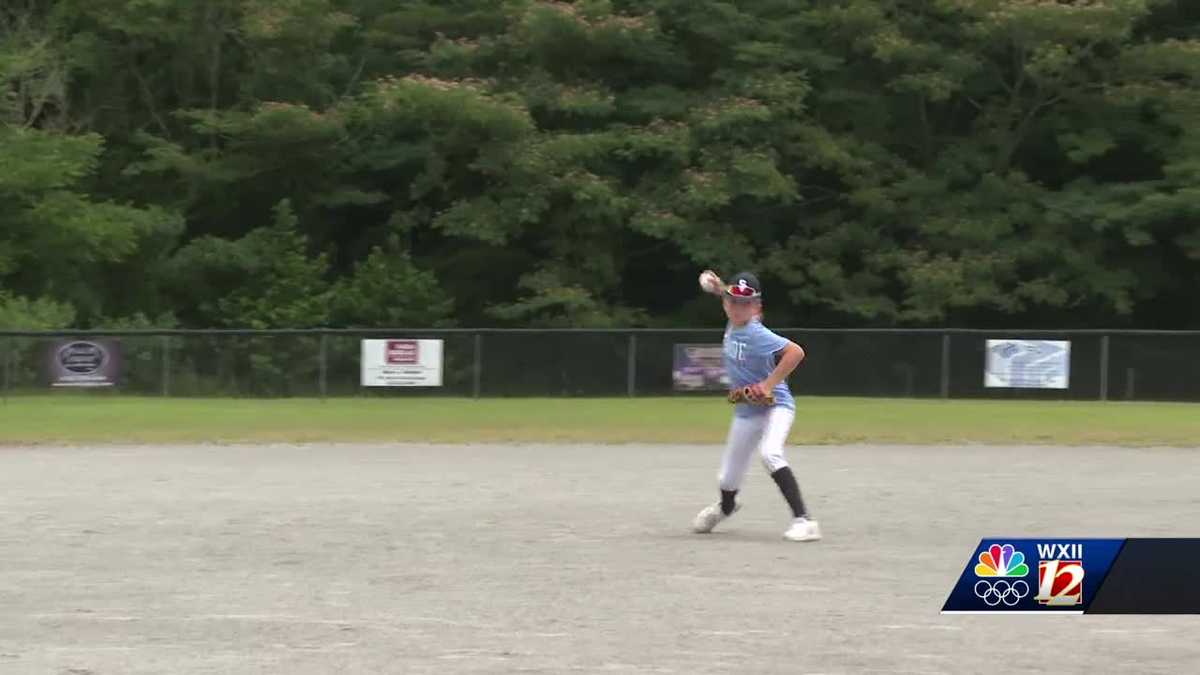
744	288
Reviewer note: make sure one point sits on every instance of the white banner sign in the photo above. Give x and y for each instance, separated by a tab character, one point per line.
1028	364
401	363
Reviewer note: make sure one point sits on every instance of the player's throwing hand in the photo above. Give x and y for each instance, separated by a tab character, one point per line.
711	283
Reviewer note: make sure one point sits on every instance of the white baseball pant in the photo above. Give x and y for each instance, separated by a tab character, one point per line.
766	433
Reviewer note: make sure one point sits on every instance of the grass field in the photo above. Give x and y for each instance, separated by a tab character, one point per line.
118	419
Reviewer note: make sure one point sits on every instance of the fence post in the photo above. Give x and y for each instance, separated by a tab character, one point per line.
7	361
322	379
165	343
477	367
631	366
1104	368
1129	375
945	365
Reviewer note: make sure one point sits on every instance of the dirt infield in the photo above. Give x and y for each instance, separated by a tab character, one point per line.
552	559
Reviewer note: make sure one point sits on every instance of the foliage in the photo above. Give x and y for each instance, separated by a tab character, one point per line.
291	163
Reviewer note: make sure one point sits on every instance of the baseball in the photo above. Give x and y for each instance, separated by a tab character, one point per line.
708	281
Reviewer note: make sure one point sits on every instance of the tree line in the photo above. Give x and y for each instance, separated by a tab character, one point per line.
304	163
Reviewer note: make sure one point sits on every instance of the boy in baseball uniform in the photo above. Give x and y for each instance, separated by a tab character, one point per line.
758	363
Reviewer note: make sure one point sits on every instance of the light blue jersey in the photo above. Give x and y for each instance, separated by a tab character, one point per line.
749	358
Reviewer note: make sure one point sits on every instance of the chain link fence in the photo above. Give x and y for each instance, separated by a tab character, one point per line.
1103	365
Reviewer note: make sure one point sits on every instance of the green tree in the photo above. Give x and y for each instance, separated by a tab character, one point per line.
882	162
266	279
389	290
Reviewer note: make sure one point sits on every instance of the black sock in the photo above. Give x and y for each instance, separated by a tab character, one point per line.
727	502
791	491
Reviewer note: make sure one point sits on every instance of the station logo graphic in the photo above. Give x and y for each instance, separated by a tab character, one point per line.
1033	576
1007	563
1060	575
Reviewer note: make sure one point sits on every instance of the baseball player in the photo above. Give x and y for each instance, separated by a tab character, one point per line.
757	362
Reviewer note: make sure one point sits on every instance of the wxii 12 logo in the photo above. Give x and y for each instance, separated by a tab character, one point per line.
1032	576
1060	575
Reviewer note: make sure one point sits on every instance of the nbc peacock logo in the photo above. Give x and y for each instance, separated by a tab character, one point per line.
1001	561
996	562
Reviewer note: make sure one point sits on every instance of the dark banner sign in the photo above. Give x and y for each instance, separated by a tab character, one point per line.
84	363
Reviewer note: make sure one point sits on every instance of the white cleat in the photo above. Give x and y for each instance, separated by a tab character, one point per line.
803	529
710	516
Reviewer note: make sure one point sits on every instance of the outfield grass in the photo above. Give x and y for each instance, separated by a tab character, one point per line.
119	419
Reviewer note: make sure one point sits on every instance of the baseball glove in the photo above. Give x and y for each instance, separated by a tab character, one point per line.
747	395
